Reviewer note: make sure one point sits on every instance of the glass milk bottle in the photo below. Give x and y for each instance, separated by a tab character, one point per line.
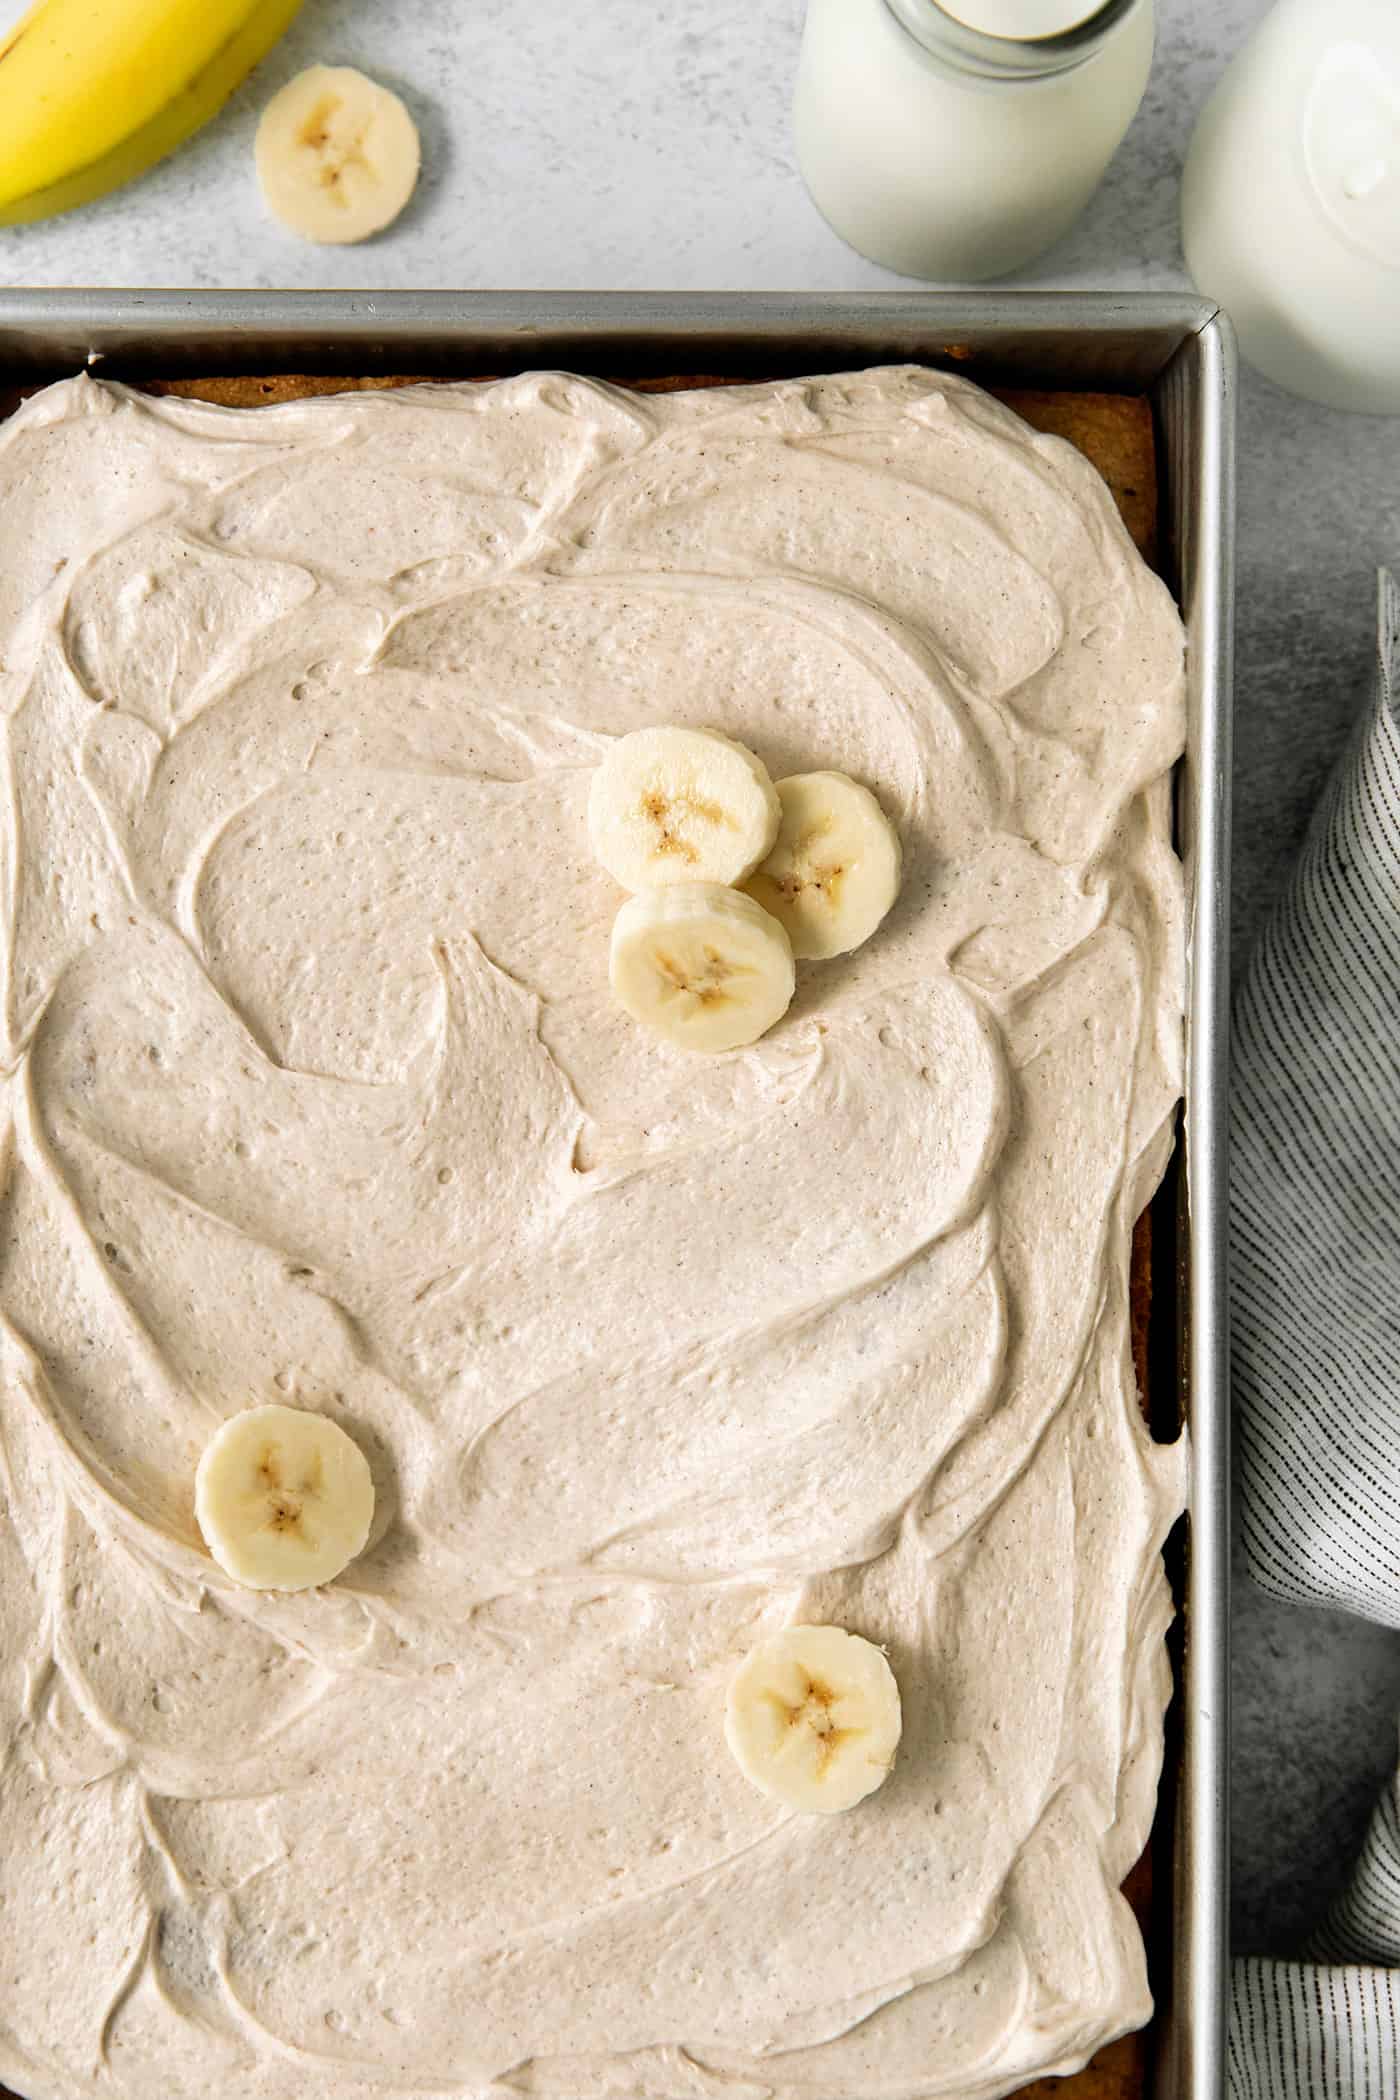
960	139
1291	200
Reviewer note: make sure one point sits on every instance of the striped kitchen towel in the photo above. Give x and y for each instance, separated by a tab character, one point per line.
1315	1287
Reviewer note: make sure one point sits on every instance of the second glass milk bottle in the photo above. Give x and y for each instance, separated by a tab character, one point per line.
961	139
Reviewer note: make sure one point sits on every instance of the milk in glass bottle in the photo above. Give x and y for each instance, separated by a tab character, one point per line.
959	138
1291	200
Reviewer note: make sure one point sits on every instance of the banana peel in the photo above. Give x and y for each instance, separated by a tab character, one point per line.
94	92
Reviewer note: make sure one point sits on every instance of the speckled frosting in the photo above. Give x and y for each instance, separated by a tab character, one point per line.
314	1091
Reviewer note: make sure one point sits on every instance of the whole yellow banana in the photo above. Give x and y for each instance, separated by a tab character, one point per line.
93	92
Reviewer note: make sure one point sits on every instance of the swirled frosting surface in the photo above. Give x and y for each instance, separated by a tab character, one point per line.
314	1092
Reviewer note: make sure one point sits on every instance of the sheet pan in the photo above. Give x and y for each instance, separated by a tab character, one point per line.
1178	351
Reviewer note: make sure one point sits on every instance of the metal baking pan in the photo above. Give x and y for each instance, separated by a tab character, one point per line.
1178	351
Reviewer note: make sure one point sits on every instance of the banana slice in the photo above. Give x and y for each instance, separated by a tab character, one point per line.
813	1718
680	805
284	1498
834	870
337	155
700	964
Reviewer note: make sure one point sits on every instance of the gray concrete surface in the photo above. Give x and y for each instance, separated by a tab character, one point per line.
645	143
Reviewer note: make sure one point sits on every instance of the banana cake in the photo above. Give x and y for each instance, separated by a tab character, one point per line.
317	1098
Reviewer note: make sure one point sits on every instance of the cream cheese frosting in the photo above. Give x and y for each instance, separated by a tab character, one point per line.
315	1092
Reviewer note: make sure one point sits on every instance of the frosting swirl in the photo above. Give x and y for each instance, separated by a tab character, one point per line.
314	1091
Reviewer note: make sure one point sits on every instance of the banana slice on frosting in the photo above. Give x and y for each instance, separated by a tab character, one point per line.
834	870
702	965
284	1498
680	805
813	1718
337	155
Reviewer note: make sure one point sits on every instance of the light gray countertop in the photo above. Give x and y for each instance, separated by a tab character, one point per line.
644	143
